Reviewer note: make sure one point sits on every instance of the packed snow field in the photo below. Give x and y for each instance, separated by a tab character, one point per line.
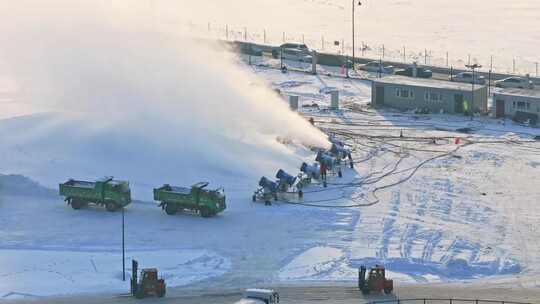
427	207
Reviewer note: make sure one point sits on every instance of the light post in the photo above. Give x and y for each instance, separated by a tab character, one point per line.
123	250
353	45
473	67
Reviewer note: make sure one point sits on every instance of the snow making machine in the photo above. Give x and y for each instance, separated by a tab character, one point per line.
266	192
287	187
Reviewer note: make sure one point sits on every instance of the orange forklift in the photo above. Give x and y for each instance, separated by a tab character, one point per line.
375	282
148	284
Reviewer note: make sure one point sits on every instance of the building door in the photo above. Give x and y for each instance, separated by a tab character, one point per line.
458	103
499	108
380	95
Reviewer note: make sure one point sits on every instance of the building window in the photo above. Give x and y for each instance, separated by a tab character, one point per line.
513	104
521	105
433	97
528	106
404	93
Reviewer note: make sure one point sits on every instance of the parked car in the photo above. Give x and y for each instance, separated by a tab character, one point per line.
296	55
421	72
293	51
377	67
467	77
515	82
259	296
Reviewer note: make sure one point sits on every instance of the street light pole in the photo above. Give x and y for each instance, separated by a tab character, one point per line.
472	67
123	250
353	38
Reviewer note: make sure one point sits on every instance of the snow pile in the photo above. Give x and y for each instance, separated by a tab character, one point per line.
67	272
140	105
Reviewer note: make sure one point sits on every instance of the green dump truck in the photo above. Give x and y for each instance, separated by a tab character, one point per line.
113	194
207	202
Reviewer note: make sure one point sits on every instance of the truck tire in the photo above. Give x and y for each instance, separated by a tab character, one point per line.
388	290
205	212
111	206
171	209
365	291
76	204
160	293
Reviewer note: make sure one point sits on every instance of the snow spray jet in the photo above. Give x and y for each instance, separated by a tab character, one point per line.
146	106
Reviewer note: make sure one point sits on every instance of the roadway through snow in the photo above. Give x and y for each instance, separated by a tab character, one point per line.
302	294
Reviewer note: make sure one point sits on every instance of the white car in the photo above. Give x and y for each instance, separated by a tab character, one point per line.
467	77
259	296
515	82
296	55
377	67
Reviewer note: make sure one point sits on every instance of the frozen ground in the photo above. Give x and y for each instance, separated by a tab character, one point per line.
469	214
67	271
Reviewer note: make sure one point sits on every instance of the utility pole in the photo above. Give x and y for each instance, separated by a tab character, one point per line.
473	67
353	35
123	249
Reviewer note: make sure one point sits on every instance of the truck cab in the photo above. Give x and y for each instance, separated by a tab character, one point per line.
259	296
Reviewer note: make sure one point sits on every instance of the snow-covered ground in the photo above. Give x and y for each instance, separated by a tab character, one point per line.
143	107
470	215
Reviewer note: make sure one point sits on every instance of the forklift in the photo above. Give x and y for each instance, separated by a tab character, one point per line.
148	284
376	280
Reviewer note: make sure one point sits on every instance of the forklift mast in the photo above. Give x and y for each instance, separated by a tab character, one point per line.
134	271
362	277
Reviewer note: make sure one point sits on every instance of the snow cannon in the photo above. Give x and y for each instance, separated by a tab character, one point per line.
328	163
313	171
285	179
267	191
340	153
325	159
267	184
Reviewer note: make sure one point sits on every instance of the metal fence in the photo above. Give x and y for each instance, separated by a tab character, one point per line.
444	301
370	49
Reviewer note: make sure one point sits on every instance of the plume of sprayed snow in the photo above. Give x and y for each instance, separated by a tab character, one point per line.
131	102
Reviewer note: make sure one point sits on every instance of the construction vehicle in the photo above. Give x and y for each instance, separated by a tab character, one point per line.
376	280
148	284
259	296
206	202
113	194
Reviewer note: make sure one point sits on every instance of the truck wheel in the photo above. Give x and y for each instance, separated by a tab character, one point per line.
111	206
76	204
205	212
300	194
365	291
388	290
171	209
160	293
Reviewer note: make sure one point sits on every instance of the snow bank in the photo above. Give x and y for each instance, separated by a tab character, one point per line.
68	272
140	105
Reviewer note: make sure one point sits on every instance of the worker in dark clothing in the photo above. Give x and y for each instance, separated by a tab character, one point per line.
323	173
350	160
312	121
